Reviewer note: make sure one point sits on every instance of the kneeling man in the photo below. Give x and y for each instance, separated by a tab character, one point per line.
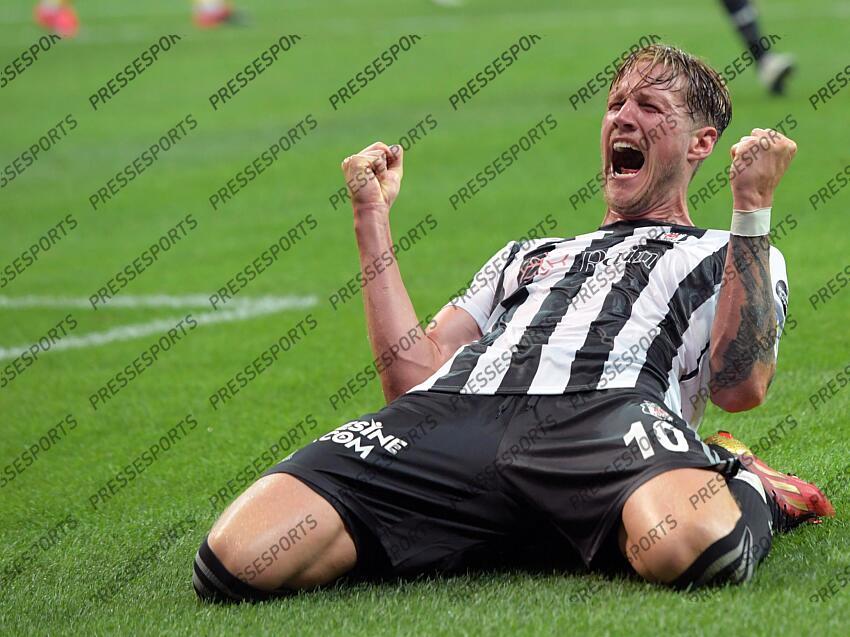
562	391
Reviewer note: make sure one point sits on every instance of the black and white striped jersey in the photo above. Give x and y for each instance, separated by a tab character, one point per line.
628	306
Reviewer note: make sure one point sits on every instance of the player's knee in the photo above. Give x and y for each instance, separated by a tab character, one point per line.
221	544
213	574
664	560
731	559
705	556
673	554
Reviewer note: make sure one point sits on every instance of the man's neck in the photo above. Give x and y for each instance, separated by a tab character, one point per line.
676	216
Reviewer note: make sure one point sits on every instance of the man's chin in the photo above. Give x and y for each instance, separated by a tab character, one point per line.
626	206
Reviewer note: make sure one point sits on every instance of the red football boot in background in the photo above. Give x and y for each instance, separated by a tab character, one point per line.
60	18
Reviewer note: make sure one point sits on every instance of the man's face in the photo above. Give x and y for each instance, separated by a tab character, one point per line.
645	136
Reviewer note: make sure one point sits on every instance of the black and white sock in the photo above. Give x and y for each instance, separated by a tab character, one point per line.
745	18
734	558
757	506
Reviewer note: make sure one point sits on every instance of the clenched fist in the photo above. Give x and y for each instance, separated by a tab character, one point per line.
758	162
373	177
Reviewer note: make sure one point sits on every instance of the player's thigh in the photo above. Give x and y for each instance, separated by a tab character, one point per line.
673	518
280	532
578	459
416	482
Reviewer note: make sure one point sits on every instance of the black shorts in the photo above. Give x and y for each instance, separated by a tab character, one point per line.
433	478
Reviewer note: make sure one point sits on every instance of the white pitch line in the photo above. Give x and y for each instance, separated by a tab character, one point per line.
131	301
239	312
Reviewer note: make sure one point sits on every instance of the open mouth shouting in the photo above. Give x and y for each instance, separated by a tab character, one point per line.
626	160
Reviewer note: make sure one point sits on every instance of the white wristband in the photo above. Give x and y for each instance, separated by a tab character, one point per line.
751	223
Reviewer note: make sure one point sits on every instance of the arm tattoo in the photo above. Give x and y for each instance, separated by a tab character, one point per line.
756	335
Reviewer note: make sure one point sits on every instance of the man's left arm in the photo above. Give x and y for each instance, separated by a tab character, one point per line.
743	335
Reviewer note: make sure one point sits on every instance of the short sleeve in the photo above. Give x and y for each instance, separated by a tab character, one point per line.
779	282
480	296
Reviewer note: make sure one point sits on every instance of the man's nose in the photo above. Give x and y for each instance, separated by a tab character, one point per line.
626	117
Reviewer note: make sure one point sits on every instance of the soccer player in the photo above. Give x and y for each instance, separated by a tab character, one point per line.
60	17
562	390
212	13
57	16
773	68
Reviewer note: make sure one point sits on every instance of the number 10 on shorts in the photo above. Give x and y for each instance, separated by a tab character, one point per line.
666	434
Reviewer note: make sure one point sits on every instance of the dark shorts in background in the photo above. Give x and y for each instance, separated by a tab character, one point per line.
433	479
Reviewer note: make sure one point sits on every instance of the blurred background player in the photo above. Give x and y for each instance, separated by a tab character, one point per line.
773	68
60	17
57	16
211	13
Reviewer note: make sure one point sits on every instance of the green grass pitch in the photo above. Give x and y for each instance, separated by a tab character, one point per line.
54	589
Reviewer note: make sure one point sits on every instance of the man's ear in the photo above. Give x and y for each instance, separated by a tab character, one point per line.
702	143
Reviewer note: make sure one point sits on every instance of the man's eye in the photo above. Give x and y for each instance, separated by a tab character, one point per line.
649	107
614	106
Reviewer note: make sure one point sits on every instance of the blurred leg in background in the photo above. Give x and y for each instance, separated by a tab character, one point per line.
57	16
212	13
773	68
60	17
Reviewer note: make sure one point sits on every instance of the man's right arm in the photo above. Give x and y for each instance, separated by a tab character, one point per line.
411	353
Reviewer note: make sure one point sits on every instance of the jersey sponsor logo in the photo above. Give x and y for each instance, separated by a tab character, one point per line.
363	436
782	293
531	265
655	410
528	270
781	313
673	237
637	254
